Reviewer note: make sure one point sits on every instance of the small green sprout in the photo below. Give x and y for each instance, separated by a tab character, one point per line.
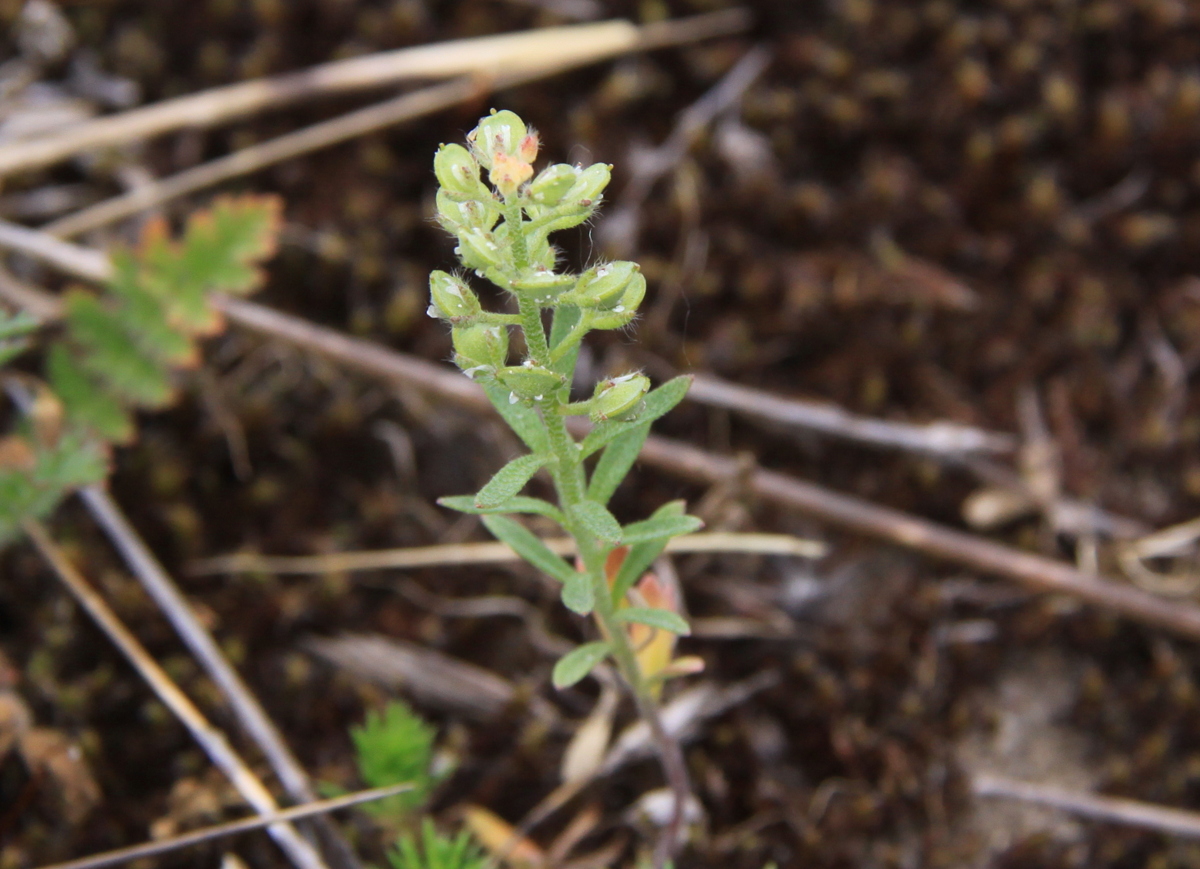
394	747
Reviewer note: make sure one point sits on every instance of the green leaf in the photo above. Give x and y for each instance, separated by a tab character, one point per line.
526	545
578	662
13	329
616	460
658	402
661	527
395	747
516	504
525	421
641	555
578	595
509	480
596	519
86	404
109	351
656	618
436	851
565	318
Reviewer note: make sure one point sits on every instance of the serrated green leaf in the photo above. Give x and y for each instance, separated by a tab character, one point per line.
641	555
655	618
597	520
616	460
145	315
664	527
521	419
509	480
578	662
110	352
578	595
529	547
84	401
516	504
658	402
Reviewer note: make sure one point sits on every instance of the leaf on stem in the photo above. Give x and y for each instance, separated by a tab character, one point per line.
577	594
509	480
595	517
578	662
657	403
516	504
616	460
526	545
642	555
656	618
660	527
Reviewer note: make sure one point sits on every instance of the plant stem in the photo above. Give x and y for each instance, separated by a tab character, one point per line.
571	484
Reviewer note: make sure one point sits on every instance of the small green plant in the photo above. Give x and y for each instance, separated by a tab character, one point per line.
393	747
503	235
117	350
433	850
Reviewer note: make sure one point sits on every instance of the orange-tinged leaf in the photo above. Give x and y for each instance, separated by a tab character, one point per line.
501	840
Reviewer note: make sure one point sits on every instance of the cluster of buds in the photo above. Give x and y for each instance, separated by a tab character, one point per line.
502	227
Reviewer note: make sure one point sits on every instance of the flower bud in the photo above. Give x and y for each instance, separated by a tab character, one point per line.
499	133
456	171
529	381
452	299
478	251
589	184
601	286
479	348
508	173
619	398
553	183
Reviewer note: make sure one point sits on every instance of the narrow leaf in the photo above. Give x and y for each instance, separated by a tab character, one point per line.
577	594
565	318
661	526
508	481
656	618
577	663
521	419
642	555
657	403
616	460
526	545
516	504
596	519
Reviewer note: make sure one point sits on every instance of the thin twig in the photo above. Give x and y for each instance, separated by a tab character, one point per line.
246	708
509	54
486	553
938	439
229	828
1135	813
210	739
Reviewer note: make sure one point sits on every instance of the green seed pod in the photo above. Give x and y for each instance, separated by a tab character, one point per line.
530	382
479	348
544	286
626	308
619	398
457	171
589	185
602	286
478	251
452	299
499	132
455	216
553	183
